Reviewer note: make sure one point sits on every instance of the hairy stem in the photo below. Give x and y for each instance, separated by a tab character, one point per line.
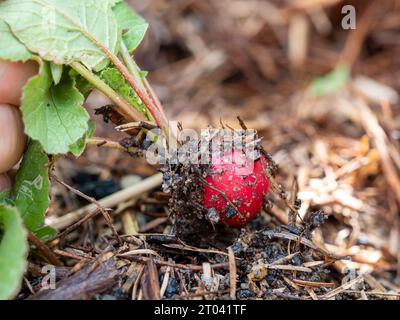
161	121
134	69
130	64
124	108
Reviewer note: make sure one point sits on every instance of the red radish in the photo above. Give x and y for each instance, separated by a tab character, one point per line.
236	178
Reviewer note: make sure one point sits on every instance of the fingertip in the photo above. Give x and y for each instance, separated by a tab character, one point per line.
13	77
12	137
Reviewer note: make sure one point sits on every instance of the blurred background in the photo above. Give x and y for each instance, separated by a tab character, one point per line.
324	99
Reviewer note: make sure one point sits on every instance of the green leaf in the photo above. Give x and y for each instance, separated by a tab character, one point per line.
114	2
63	31
143	74
3	197
10	47
84	86
56	72
117	82
13	252
79	147
330	83
5	200
46	233
31	188
132	26
53	114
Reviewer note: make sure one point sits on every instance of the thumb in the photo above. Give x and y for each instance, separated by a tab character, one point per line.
13	77
12	137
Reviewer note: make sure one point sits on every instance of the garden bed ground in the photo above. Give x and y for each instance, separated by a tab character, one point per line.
339	152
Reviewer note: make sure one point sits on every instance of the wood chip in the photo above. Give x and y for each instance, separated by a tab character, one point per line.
232	273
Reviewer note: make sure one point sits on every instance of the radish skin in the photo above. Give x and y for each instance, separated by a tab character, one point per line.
239	180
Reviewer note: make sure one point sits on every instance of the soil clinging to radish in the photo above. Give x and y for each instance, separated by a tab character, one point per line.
210	201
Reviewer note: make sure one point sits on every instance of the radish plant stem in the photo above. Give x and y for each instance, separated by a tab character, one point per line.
159	119
124	108
101	142
134	69
130	64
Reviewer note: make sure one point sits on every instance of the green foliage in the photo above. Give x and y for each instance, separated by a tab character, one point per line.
10	48
53	114
79	147
46	233
5	199
331	82
84	86
63	31
114	2
13	252
56	72
31	189
132	26
57	33
117	82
